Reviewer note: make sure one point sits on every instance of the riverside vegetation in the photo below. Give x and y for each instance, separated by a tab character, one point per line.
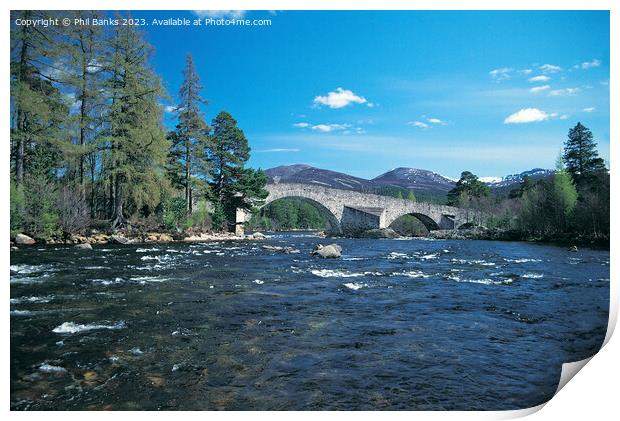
90	156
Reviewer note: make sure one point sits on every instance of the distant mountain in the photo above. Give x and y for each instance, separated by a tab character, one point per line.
305	174
416	180
427	185
509	182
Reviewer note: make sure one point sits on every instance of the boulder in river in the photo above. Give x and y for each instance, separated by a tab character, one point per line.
23	239
331	251
573	248
83	246
257	236
118	239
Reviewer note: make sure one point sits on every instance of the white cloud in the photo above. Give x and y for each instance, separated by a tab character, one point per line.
537	89
170	108
541	78
218	14
564	92
326	128
502	73
301	125
525	71
590	64
418	124
436	121
340	98
550	68
527	115
589	109
564	116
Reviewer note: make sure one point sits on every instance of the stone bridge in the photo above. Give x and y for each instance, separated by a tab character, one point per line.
351	211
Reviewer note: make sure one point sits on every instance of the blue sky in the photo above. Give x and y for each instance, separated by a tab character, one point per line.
364	92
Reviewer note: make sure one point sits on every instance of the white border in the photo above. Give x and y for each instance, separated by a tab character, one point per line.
592	394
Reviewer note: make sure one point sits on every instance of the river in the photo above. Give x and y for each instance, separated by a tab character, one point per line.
394	324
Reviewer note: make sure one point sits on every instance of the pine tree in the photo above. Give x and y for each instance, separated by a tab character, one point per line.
137	143
83	55
232	185
411	196
38	110
468	187
191	136
580	155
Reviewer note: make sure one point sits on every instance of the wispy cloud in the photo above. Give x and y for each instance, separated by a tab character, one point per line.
588	64
418	124
550	68
326	128
280	150
170	108
589	110
218	14
344	128
437	121
564	92
525	71
540	78
537	89
528	115
340	98
503	73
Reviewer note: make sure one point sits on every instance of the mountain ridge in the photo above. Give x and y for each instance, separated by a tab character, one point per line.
415	179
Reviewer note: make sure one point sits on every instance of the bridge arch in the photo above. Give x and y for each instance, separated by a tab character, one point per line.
429	223
332	219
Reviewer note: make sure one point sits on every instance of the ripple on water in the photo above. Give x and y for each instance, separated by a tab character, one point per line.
71	327
339	273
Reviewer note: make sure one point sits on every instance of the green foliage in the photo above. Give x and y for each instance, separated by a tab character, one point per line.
411	196
232	185
41	216
18	204
409	225
175	214
288	214
467	190
200	217
218	216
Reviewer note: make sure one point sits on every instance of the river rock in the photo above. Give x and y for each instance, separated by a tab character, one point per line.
256	236
573	248
285	250
331	251
118	239
23	239
83	246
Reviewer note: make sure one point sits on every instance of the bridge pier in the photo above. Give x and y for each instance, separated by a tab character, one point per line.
357	220
240	219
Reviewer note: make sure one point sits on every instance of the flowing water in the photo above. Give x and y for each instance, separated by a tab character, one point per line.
393	324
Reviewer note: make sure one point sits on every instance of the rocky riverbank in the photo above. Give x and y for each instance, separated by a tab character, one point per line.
133	238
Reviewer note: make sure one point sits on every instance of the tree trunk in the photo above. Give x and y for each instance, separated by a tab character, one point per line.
119	220
20	152
188	187
111	198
